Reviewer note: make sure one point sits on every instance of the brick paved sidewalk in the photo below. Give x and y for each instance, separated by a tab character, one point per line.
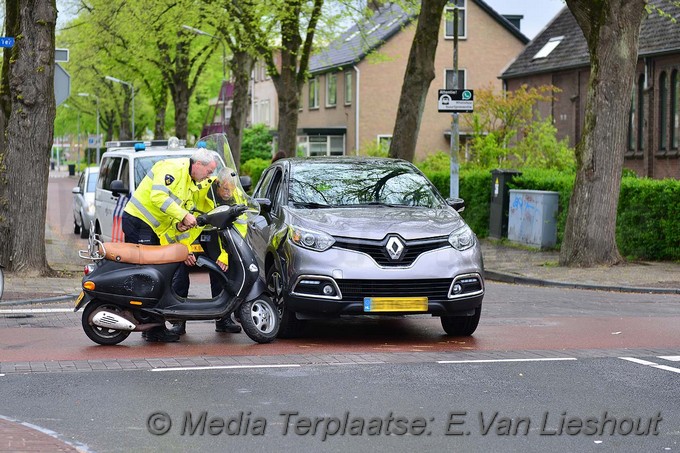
16	436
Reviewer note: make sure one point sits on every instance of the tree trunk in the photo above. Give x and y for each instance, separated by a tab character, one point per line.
419	75
241	66
180	97
29	135
611	29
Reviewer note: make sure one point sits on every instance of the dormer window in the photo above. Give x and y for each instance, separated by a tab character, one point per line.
548	47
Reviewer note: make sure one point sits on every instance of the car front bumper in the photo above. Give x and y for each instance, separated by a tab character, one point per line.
452	281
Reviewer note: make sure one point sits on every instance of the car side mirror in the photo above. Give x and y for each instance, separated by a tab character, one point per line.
246	182
456	203
75	190
265	205
117	188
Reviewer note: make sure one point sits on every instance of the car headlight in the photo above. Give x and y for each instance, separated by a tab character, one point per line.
310	239
90	209
462	239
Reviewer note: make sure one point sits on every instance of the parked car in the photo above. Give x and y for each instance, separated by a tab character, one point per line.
83	201
126	163
364	236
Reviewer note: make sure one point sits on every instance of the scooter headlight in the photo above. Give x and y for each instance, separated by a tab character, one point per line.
310	239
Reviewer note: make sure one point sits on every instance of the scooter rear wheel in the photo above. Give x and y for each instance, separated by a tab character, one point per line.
260	319
98	334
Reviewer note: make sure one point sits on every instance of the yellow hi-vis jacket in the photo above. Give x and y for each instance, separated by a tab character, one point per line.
172	235
167	194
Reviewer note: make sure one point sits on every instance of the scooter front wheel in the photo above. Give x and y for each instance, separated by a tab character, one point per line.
98	334
260	319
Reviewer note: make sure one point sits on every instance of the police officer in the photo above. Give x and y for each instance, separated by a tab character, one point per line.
164	199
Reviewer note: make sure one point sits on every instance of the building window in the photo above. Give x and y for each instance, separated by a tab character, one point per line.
348	88
448	15
314	93
548	47
384	142
631	121
663	110
641	114
321	145
331	90
449	80
675	117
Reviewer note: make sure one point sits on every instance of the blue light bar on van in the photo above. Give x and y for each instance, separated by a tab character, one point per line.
152	143
140	146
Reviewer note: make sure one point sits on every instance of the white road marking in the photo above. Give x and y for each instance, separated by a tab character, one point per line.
672	358
21	311
651	364
224	367
543	359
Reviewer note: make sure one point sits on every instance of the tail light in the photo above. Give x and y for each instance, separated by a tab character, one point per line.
89	268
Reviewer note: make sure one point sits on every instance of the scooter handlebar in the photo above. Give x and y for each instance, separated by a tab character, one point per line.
221	218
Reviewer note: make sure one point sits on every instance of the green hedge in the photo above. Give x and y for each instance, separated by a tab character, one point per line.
254	169
648	219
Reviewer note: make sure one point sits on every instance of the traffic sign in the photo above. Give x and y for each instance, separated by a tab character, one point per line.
6	41
456	101
61	55
62	84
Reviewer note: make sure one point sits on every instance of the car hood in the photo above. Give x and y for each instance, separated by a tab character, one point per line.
376	222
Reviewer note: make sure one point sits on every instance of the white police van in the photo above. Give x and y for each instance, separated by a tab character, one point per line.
129	162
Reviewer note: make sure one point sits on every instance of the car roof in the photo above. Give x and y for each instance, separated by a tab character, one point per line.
342	160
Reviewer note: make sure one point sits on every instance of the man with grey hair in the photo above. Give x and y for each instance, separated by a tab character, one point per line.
166	197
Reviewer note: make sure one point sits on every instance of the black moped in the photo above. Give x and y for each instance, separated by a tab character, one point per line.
128	288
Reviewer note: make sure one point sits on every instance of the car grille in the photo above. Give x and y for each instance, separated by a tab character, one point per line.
433	289
378	249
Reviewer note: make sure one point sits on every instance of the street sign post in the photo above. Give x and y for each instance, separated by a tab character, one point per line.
62	84
456	101
6	41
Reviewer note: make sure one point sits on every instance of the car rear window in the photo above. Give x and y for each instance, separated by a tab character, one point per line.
92	182
338	184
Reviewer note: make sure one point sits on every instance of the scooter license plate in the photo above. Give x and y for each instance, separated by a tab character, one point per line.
80	297
196	248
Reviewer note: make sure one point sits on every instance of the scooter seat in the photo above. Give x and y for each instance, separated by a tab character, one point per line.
123	252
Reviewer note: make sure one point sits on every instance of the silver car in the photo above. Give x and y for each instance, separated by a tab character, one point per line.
364	236
83	201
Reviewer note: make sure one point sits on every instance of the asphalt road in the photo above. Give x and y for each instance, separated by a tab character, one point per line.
584	405
547	369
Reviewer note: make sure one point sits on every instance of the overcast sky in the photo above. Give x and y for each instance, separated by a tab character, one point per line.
537	13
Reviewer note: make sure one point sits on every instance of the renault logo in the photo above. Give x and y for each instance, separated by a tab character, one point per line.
394	248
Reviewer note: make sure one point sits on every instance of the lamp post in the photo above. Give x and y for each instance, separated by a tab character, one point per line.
132	88
97	139
224	69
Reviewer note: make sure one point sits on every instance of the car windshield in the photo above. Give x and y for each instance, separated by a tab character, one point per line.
144	164
357	183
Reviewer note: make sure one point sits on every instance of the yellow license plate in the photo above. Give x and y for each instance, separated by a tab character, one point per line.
196	248
80	297
394	304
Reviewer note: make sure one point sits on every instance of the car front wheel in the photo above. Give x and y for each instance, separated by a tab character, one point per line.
461	326
290	325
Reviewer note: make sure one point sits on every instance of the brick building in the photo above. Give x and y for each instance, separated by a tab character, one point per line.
352	95
559	56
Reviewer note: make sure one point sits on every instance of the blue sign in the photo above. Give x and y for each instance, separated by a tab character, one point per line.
6	42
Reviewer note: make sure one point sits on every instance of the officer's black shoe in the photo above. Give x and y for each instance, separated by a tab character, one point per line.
227	325
160	334
179	327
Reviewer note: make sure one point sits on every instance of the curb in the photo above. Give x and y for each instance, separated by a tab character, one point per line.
39	301
519	280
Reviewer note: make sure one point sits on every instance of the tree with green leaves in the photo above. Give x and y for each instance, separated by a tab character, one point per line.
27	111
287	62
611	29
